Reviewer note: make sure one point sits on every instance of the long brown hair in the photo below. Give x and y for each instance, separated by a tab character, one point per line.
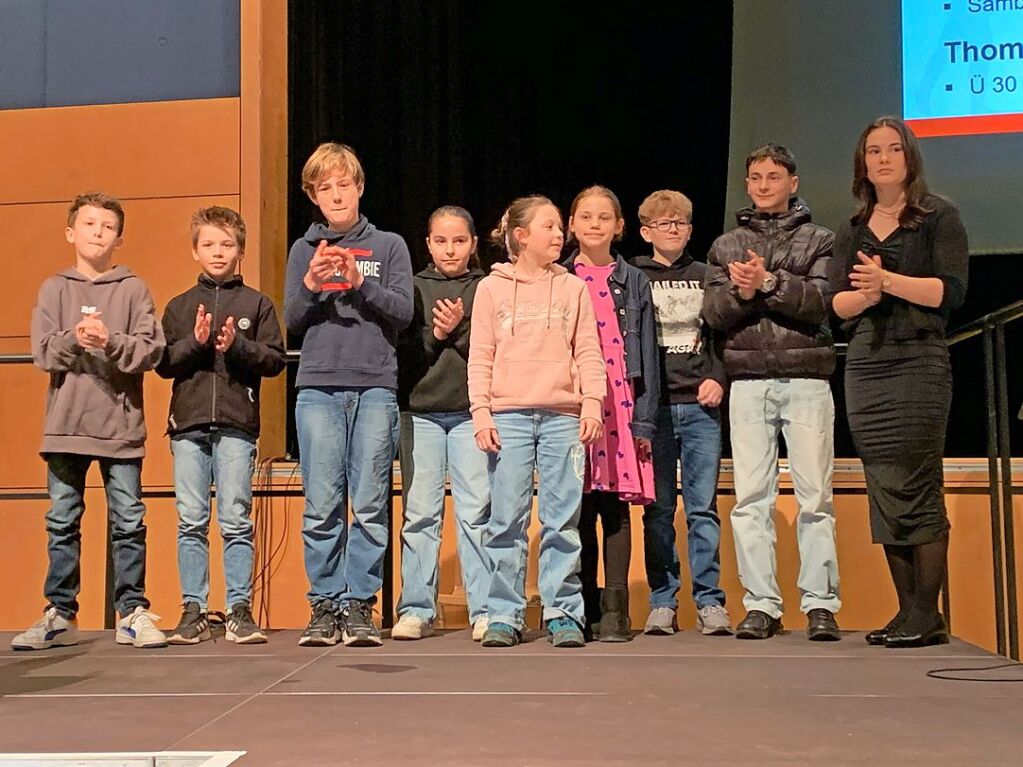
915	186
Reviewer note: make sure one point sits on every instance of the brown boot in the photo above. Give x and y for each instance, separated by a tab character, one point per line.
615	623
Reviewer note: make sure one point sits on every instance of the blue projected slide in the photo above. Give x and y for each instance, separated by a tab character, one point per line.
962	66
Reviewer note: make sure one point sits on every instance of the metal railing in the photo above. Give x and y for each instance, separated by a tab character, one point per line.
1003	543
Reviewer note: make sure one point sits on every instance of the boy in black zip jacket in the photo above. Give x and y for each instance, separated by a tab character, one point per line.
222	338
688	422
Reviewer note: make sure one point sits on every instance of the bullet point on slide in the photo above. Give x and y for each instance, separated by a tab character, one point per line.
948	86
947	6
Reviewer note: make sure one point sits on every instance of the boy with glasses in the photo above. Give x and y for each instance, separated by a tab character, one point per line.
688	425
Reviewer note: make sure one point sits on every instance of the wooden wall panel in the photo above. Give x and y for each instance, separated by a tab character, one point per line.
867	594
156	247
158	149
264	173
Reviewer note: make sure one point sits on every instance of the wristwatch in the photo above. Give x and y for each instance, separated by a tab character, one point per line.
769	284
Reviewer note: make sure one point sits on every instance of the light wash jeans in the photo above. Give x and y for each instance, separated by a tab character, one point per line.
548	442
348	439
122	481
434	445
691	432
227	459
803	411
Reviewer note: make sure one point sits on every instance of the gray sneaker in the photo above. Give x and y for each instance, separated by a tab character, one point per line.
713	620
661	622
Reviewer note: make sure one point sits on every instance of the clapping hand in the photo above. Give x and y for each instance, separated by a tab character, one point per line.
749	275
226	335
91	333
202	325
446	316
868	277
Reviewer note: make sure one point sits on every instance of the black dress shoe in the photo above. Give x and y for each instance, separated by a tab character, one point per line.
758	625
909	636
877	636
822	626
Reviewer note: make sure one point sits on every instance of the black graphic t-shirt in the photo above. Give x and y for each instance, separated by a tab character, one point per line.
690	352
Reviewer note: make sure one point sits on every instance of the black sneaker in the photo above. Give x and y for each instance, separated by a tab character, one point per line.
241	628
193	628
322	629
357	627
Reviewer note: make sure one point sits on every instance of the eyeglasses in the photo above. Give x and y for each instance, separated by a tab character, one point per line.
666	224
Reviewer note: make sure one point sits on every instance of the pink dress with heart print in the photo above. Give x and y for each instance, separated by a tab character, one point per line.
614	465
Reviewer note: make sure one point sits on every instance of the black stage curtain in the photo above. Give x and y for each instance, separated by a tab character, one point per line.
477	103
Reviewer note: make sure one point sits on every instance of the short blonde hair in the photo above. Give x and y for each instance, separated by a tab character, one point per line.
665	202
222	218
327	158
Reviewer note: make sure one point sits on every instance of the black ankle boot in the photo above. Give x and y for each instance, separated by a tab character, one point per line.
615	624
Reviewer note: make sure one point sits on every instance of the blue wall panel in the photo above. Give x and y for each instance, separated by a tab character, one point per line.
72	52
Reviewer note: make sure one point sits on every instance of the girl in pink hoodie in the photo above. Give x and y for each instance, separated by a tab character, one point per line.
536	392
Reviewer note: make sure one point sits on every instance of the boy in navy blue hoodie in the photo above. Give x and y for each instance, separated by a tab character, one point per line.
348	290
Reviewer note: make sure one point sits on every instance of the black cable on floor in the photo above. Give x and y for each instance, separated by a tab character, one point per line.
942	673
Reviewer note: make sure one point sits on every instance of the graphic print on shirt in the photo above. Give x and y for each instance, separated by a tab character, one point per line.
677	305
537	315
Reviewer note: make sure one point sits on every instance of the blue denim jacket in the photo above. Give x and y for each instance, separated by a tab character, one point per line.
634	307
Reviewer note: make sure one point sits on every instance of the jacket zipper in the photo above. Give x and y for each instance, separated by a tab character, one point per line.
213	402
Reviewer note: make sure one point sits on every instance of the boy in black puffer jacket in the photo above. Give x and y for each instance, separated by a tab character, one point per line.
222	338
767	290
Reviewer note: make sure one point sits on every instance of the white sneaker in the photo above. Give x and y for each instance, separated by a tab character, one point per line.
411	627
661	621
713	620
479	628
52	630
137	628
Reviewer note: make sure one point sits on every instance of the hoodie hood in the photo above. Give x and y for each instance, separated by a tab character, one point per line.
362	230
116	274
648	262
797	215
430	272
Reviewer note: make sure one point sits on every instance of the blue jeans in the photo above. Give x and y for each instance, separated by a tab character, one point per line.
229	461
122	481
434	445
692	432
348	439
803	411
548	442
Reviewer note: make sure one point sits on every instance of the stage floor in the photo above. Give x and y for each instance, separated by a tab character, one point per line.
687	699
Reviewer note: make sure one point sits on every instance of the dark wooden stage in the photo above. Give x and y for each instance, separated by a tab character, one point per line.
682	700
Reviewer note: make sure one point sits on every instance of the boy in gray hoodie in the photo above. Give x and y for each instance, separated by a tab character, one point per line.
94	330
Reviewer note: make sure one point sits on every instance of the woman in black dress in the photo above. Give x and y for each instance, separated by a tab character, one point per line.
899	268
